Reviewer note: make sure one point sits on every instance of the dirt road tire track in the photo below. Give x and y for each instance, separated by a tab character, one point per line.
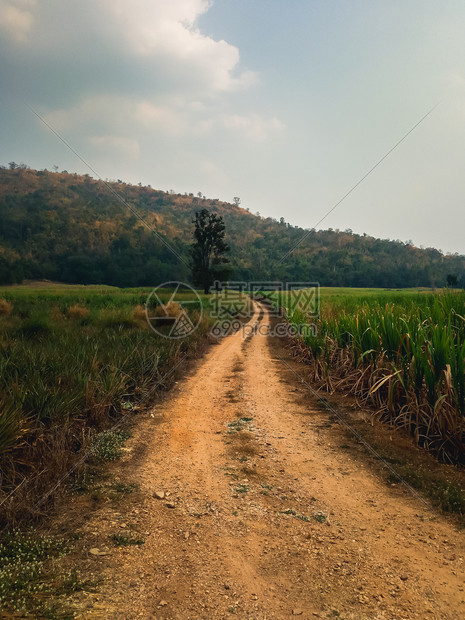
262	518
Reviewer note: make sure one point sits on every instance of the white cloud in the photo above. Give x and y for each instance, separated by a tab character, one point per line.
250	127
165	118
16	18
91	113
169	117
127	147
162	29
151	66
135	86
150	45
152	24
124	115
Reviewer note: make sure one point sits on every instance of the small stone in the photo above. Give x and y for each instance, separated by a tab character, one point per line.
404	577
297	612
159	495
95	551
170	505
163	603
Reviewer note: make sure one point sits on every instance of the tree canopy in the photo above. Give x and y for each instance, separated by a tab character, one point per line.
71	228
209	249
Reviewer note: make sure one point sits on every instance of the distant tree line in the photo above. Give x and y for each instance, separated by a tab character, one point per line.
69	228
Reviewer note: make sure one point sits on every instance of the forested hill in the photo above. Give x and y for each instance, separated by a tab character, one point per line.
71	228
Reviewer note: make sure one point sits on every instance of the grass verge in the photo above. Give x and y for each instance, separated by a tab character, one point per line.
74	362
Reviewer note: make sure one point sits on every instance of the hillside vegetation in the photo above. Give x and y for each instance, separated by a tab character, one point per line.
73	229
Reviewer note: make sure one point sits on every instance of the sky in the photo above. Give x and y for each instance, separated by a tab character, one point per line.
284	103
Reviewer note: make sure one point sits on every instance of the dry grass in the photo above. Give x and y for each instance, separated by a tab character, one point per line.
5	307
171	309
64	380
56	315
139	314
77	312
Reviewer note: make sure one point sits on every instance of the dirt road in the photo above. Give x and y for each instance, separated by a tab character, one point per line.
262	517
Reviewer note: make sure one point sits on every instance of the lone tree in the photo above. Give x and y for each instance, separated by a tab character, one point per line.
209	249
